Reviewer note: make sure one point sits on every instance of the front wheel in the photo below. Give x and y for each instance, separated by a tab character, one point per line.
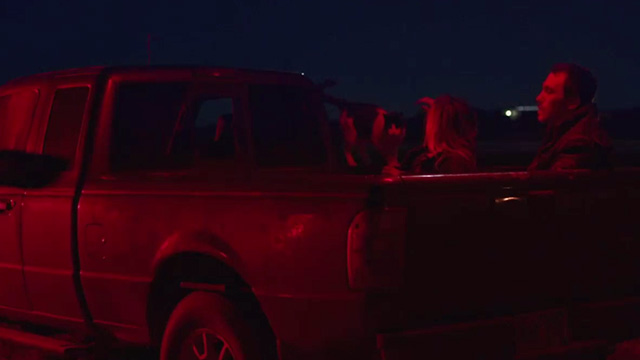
207	326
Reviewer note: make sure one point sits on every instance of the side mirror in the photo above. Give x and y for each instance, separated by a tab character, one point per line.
28	170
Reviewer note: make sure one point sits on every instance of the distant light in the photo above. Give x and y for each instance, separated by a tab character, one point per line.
508	113
302	74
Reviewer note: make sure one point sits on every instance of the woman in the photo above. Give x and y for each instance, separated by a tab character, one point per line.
449	145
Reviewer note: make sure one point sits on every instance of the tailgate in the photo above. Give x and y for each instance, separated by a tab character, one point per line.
503	246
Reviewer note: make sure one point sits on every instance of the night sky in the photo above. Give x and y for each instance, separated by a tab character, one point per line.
494	54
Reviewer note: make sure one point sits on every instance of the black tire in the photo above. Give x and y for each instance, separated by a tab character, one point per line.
222	324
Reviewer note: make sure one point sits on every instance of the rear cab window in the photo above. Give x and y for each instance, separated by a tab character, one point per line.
177	127
173	127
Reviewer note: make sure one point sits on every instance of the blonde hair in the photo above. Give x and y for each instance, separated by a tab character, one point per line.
451	128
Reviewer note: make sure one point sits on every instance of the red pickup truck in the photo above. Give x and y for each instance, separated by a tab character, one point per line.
204	213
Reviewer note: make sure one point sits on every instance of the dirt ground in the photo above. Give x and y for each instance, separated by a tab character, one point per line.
628	350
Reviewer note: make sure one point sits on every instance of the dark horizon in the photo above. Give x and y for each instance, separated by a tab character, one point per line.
495	55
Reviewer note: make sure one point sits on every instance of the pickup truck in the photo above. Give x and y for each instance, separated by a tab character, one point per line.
204	213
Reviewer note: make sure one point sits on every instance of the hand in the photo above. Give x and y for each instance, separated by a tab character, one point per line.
426	103
348	131
387	141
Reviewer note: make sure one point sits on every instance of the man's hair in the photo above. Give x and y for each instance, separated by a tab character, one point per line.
580	81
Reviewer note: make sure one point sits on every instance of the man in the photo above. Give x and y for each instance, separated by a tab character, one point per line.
356	123
372	137
574	138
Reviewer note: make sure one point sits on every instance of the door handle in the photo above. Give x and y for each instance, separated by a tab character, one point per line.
510	200
6	205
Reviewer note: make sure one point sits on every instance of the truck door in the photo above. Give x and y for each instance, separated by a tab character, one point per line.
16	114
48	231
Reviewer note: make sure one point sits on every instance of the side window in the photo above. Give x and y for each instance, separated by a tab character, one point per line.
65	121
286	127
214	138
168	126
145	117
16	117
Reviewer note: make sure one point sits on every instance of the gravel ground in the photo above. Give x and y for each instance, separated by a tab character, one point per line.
628	350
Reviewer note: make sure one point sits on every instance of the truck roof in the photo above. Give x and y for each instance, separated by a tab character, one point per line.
243	75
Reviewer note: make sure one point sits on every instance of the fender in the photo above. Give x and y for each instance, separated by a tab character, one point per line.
200	242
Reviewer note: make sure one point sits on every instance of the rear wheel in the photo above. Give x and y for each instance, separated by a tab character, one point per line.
207	326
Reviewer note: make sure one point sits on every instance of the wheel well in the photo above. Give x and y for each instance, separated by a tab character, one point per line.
166	291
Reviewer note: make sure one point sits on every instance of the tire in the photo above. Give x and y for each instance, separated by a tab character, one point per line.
208	317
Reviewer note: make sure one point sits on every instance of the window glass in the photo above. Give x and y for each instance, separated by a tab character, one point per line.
65	122
165	126
16	117
213	129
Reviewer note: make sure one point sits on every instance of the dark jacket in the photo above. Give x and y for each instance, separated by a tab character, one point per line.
576	142
418	161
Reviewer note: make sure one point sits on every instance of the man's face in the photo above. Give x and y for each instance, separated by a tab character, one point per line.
552	103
